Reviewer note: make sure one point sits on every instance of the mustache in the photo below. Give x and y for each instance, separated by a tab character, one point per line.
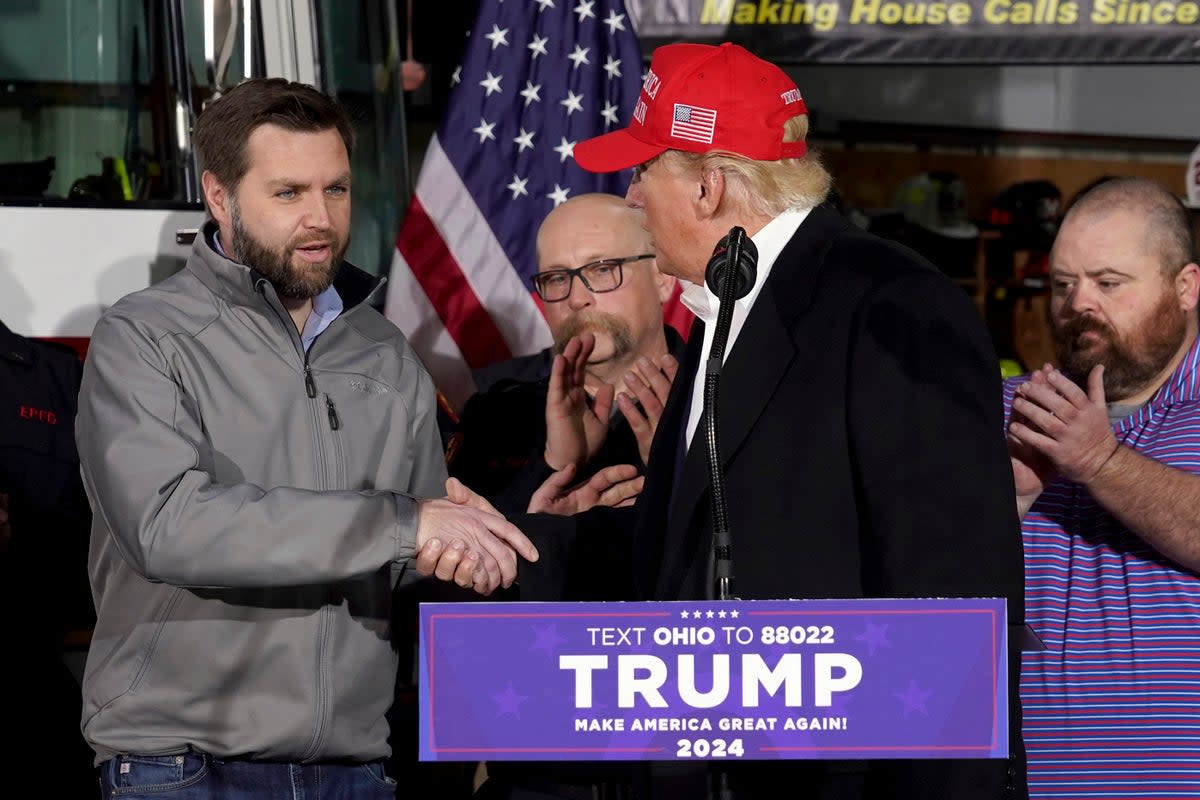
1074	327
590	321
328	237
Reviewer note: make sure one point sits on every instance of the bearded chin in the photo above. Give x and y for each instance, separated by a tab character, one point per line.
276	264
1131	363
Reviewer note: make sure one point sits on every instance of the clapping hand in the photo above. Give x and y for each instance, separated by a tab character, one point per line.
575	427
650	383
612	486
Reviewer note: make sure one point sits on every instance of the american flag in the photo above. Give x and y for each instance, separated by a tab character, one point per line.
537	77
693	123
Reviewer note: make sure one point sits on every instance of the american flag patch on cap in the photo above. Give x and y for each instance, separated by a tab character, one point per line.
693	123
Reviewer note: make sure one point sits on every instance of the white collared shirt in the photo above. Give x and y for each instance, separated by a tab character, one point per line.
700	300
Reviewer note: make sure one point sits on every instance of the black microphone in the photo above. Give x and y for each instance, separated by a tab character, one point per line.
736	257
744	259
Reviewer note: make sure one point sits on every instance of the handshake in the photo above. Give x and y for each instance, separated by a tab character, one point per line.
463	538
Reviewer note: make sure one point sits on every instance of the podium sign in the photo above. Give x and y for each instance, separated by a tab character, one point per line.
766	679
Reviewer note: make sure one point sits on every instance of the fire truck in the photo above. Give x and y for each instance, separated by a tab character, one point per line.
99	184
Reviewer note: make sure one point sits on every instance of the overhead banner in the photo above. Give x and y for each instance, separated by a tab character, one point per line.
723	680
932	31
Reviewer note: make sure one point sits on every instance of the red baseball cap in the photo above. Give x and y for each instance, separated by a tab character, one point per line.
701	97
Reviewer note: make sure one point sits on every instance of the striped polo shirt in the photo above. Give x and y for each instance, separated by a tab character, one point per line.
1112	707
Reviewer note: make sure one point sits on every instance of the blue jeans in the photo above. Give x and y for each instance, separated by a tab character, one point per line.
199	776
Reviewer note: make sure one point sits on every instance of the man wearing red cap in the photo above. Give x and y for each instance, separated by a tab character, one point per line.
859	414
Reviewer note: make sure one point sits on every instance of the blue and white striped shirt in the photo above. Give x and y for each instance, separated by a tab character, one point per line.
1112	707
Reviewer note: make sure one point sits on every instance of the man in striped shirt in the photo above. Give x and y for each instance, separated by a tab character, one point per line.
1106	455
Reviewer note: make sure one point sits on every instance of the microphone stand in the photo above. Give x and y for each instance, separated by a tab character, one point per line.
722	536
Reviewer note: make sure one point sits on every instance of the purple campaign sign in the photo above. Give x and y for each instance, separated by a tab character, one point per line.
765	679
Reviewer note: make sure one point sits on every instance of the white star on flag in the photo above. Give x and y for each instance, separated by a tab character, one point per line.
484	129
584	9
491	83
573	102
530	93
544	4
565	150
497	37
609	113
614	22
456	78
538	45
559	195
517	187
613	67
579	56
524	140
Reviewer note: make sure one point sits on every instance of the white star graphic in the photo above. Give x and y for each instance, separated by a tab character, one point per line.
456	78
612	67
709	613
491	83
584	9
721	613
733	614
559	195
579	56
544	4
524	140
696	614
615	22
538	45
565	150
497	37
609	113
517	186
484	129
530	93
573	102
682	614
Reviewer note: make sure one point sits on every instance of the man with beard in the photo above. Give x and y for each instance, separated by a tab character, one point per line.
258	444
597	274
1105	452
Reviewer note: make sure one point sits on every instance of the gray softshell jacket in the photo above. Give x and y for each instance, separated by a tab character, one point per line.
253	509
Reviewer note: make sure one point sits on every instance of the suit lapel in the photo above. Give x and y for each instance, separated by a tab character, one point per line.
753	369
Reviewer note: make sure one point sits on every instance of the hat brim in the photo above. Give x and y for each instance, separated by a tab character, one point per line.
612	152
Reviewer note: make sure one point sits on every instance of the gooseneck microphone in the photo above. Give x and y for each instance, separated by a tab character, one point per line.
730	276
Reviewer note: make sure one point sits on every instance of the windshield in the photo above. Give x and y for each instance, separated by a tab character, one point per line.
97	97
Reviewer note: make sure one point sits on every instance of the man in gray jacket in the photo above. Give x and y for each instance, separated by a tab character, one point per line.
257	443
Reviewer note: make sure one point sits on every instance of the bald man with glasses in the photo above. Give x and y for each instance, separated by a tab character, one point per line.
600	285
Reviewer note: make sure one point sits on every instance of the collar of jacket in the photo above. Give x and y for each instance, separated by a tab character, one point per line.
15	348
236	282
797	268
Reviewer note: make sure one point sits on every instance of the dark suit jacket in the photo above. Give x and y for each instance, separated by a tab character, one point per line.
862	437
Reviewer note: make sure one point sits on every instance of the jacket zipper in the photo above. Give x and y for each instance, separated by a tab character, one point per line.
321	723
334	422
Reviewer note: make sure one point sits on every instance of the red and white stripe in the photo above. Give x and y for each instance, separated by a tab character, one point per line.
452	289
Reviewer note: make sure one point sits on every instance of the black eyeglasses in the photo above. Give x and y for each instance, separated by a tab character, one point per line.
601	276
